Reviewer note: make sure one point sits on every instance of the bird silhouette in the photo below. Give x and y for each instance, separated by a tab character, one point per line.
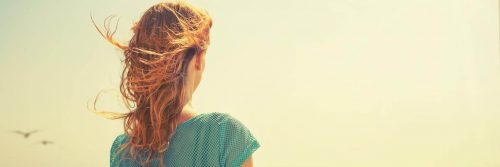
45	142
25	134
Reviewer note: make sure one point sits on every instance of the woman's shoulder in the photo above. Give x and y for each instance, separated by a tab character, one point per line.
219	118
119	140
236	141
216	114
226	123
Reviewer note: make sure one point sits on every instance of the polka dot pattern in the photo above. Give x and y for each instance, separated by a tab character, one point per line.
208	139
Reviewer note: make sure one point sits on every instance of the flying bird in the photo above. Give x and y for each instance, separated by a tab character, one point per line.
45	142
25	134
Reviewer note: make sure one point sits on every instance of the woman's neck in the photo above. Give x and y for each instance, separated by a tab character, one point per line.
187	113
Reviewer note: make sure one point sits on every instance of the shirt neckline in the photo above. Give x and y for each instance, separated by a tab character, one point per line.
190	120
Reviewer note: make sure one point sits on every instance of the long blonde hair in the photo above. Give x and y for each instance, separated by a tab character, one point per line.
165	40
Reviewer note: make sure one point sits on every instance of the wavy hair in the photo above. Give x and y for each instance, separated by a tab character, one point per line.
165	40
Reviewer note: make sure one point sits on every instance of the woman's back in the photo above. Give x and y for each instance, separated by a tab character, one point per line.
208	139
163	65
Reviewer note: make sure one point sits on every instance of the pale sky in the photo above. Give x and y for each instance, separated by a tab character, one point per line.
350	83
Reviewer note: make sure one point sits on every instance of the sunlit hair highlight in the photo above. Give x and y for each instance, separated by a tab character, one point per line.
165	40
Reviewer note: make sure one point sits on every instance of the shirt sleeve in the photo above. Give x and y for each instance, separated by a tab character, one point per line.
112	154
236	142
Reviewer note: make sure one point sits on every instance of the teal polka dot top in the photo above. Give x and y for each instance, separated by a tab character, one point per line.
208	139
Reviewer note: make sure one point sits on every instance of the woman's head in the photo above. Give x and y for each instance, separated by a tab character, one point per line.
170	38
164	62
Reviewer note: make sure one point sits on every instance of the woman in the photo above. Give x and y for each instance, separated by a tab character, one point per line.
164	63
